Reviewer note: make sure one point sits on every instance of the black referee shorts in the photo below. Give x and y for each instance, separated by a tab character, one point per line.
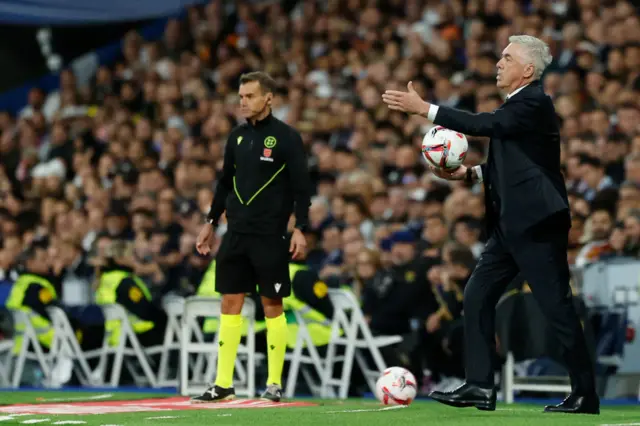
246	260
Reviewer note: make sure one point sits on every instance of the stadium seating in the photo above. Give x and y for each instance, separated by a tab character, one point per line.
65	347
30	349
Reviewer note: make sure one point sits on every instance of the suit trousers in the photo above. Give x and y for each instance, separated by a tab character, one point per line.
540	255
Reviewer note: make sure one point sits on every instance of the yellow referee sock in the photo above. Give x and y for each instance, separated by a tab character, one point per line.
277	346
230	334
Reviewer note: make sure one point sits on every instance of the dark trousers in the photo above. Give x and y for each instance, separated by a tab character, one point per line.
541	256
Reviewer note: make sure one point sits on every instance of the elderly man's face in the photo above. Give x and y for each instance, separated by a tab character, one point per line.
513	67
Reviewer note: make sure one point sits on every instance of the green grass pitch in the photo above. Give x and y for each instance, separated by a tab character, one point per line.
97	408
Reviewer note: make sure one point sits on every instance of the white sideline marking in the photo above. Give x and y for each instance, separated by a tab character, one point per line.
224	415
88	398
5	418
31	421
622	424
393	407
70	422
162	417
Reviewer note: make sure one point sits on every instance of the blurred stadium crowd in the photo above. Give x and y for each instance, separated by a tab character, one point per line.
135	154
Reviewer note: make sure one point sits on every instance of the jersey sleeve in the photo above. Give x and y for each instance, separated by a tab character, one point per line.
300	181
225	183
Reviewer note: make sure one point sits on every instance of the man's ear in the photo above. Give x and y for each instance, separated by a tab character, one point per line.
269	98
529	70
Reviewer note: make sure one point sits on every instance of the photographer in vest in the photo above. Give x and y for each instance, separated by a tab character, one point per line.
117	283
38	286
34	291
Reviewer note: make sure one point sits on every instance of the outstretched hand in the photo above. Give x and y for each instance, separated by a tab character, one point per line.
409	102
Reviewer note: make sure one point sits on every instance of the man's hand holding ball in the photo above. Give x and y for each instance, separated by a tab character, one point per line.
456	174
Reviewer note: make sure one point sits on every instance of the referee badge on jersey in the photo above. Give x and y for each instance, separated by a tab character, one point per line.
269	143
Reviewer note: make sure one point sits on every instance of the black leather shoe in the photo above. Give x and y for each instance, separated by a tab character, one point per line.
575	404
468	396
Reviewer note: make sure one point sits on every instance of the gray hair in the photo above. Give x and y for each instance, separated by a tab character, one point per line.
537	51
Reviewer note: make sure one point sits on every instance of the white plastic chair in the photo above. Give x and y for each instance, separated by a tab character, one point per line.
65	346
30	348
128	347
303	358
174	308
6	347
530	384
205	307
357	341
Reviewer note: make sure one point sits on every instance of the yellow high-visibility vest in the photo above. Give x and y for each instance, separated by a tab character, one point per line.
42	326
318	324
107	295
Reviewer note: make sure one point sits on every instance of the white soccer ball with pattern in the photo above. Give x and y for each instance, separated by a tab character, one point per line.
396	386
444	148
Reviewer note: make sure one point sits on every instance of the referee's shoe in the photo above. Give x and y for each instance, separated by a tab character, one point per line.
273	393
215	394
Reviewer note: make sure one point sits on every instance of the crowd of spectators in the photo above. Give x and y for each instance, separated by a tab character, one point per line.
135	153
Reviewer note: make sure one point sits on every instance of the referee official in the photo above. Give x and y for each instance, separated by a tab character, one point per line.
264	180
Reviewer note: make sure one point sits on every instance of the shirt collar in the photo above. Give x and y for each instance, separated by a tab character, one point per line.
515	92
262	122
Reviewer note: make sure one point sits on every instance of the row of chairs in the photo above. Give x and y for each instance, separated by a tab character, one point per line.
352	343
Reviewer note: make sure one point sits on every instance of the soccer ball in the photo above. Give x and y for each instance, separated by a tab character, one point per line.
444	148
396	386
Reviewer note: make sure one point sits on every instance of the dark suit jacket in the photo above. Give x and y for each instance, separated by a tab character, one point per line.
525	151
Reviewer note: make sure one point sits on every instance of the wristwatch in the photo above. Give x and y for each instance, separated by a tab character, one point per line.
468	177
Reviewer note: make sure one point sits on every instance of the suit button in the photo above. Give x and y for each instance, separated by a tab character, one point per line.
490	187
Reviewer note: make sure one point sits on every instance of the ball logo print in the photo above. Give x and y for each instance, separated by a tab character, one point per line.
270	142
444	148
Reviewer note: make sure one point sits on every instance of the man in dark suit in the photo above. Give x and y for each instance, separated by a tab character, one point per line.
528	222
